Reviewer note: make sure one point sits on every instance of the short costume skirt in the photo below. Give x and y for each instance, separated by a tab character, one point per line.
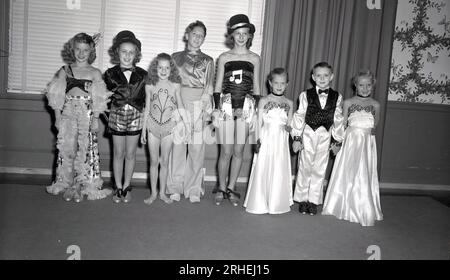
125	120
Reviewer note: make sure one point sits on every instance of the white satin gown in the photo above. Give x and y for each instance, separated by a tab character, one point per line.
353	191
270	184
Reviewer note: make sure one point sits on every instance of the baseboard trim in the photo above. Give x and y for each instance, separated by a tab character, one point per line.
211	178
105	174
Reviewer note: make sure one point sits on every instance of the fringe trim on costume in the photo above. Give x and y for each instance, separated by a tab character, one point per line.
80	166
57	188
99	96
56	93
93	189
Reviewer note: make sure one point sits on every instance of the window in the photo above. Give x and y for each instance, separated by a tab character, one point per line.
39	28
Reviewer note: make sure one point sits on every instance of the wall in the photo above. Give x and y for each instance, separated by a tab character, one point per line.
420	66
416	144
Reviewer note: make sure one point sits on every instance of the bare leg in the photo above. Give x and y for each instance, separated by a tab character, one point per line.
130	158
241	135
119	156
166	145
153	147
236	163
226	136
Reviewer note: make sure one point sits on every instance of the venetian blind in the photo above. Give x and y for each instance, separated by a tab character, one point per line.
39	28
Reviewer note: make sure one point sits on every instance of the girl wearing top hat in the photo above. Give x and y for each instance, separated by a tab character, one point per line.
235	95
127	82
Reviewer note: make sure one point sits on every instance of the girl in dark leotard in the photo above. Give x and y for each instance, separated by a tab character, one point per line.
78	95
235	96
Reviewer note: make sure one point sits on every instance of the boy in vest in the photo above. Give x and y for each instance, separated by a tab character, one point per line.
317	124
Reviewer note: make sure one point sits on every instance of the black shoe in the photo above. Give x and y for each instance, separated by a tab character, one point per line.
312	209
303	207
117	196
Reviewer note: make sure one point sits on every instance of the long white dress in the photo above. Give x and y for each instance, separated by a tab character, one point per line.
353	191
270	185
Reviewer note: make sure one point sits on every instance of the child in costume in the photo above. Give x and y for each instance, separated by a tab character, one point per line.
235	97
353	192
78	95
185	174
127	82
317	122
270	185
163	109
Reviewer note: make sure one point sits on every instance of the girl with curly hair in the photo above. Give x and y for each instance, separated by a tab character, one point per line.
163	111
78	95
127	82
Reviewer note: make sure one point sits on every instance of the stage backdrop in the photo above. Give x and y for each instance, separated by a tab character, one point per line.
349	34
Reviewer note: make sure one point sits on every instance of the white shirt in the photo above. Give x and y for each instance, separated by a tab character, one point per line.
322	97
128	75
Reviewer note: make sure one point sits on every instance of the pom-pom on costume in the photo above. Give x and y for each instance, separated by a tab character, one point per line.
78	163
317	120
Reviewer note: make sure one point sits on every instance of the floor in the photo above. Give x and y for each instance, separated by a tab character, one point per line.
36	225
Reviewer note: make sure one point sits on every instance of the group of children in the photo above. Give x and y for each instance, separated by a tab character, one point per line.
169	106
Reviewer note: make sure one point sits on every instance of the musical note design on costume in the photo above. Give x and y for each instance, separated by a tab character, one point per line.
234	74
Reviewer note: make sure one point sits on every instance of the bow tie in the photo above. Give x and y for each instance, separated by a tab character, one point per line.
126	69
323	91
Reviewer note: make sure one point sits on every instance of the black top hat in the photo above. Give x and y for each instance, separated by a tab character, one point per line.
126	36
239	21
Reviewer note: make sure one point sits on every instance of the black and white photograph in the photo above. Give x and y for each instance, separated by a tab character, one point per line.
229	136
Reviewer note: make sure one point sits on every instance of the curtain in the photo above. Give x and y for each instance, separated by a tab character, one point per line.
4	29
345	33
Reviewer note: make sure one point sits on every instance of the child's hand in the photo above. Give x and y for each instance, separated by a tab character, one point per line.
57	123
297	146
257	146
144	136
335	148
215	116
288	128
198	125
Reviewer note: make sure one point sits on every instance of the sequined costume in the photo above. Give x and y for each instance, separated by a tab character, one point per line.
127	101
78	163
163	105
237	100
186	159
317	120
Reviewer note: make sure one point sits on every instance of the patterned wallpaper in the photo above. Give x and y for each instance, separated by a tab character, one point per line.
420	67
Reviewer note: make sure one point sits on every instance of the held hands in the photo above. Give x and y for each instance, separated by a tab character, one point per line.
335	148
288	128
297	146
